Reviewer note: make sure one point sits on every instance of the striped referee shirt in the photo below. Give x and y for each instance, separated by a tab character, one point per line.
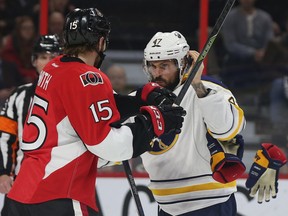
12	117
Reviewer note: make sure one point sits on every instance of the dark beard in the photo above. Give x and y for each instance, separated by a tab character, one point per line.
173	85
99	59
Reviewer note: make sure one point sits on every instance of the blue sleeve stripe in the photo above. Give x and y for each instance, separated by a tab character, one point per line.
213	80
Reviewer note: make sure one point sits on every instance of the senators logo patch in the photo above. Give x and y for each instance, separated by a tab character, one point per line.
91	78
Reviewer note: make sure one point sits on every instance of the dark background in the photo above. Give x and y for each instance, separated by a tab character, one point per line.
135	21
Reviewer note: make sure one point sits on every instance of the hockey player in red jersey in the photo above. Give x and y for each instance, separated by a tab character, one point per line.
73	121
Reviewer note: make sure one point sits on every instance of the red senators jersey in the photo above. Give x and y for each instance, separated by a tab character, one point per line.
67	129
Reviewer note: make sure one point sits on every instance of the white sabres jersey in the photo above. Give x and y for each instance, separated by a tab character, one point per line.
180	174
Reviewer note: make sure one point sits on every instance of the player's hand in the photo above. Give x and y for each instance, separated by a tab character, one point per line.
191	60
6	183
165	118
153	94
263	175
226	158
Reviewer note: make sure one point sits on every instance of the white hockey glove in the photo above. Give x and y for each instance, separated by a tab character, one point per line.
263	175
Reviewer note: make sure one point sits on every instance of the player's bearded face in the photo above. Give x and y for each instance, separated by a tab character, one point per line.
165	73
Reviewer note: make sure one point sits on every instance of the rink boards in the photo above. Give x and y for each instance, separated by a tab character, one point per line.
115	199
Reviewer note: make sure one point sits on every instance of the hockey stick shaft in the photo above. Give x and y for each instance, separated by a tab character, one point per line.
133	187
216	29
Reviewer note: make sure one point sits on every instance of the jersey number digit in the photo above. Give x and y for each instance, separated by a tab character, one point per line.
39	123
100	107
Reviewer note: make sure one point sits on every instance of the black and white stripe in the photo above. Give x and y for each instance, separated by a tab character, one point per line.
15	109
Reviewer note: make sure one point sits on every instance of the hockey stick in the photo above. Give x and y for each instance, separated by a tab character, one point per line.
133	187
229	4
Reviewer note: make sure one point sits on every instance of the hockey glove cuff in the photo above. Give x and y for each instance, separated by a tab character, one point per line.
263	175
153	94
226	164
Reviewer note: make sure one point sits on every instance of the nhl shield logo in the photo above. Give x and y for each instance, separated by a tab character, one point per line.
91	78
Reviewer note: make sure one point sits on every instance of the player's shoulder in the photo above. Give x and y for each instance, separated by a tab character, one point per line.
25	86
74	65
19	89
209	80
91	76
234	12
75	71
264	14
17	95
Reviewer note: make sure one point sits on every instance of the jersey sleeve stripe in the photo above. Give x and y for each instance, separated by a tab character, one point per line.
119	141
221	134
231	135
213	80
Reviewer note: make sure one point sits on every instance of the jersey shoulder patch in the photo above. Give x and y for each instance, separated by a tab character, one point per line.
91	78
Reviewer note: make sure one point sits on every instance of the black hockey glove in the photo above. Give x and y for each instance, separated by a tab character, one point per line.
152	122
164	118
153	94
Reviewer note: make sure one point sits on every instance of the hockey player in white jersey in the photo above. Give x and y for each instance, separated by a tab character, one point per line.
186	178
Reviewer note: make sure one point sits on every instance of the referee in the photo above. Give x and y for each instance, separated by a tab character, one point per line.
13	114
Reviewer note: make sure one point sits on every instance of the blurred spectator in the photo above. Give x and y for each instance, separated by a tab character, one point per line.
117	76
56	22
278	58
276	62
6	18
9	77
213	61
279	114
277	50
62	6
279	104
246	33
277	30
25	8
18	47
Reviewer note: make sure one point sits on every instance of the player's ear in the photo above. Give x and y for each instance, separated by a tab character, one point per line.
34	62
102	44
